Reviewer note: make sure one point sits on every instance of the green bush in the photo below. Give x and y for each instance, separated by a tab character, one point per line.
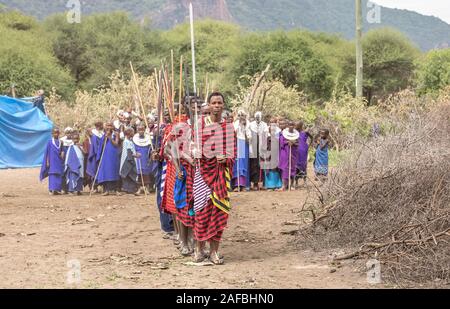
433	73
389	58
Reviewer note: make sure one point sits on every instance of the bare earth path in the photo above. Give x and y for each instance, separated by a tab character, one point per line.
118	242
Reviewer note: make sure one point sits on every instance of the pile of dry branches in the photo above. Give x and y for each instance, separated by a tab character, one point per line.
390	200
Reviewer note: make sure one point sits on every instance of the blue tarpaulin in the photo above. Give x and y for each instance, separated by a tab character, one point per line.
24	133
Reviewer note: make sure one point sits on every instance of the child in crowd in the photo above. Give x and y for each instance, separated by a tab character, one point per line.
321	159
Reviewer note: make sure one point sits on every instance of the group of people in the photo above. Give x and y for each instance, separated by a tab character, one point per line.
192	165
274	156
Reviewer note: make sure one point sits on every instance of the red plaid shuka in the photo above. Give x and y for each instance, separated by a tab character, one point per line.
216	139
183	213
168	203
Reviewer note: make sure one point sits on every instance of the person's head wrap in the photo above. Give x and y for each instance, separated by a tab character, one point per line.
151	117
241	112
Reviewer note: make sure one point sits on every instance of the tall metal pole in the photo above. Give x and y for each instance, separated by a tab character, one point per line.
359	50
194	74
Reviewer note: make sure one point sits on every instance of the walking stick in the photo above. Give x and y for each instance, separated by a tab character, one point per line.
238	154
173	77
100	164
260	182
180	104
138	93
238	173
290	165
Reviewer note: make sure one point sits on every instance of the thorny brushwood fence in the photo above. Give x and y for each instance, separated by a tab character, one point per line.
390	199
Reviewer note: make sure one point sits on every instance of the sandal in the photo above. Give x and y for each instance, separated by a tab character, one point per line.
185	251
198	257
216	259
166	235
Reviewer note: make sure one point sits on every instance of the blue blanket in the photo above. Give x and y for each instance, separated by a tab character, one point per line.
24	132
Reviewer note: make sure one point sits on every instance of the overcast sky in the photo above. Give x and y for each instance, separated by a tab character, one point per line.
438	8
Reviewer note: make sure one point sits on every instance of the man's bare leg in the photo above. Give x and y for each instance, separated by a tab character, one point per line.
198	254
176	226
214	253
185	251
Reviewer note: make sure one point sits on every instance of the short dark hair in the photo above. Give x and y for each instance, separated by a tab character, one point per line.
216	94
129	132
326	131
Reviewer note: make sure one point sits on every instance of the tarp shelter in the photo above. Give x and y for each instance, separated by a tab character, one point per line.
24	132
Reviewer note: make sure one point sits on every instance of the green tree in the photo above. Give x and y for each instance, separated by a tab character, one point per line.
293	61
26	61
433	73
389	58
100	45
216	43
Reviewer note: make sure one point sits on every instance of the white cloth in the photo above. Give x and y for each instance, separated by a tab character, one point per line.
98	133
291	136
142	142
276	133
127	144
66	141
201	191
260	128
117	124
80	157
242	131
260	131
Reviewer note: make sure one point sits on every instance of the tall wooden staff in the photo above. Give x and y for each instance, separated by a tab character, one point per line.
138	93
187	94
181	86
237	160
290	165
173	76
168	94
159	108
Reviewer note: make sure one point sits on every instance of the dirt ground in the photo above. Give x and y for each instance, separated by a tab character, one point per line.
118	243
